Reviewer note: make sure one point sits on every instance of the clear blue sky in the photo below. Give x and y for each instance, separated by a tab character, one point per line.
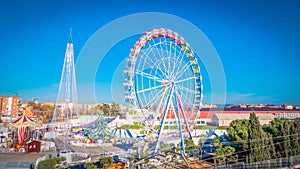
257	42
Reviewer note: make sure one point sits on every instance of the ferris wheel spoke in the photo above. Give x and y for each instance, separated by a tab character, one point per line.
149	89
152	64
146	56
184	69
155	98
161	56
149	76
186	89
179	67
163	45
181	62
186	79
187	99
165	65
177	61
169	57
176	56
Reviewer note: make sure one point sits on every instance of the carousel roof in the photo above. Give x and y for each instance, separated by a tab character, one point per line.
24	120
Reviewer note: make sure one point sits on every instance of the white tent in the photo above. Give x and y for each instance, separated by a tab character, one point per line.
117	123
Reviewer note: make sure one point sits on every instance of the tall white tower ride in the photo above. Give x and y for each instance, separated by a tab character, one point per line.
66	102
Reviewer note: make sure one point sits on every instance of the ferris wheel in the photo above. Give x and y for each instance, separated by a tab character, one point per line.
162	77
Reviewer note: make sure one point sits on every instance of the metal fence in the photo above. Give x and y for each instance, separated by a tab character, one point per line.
268	164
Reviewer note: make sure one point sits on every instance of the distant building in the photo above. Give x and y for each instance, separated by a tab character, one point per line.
226	119
288	106
271	106
209	106
9	106
243	106
205	116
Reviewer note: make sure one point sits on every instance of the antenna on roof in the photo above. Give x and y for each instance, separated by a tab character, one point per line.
70	37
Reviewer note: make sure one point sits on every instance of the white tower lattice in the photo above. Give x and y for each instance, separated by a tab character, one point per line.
66	102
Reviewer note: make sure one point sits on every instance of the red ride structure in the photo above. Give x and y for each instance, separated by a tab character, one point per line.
22	123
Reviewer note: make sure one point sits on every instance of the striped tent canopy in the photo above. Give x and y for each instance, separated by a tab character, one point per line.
25	121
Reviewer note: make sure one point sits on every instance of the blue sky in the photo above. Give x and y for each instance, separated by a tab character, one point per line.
257	42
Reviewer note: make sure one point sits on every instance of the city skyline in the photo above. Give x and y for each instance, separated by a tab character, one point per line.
256	42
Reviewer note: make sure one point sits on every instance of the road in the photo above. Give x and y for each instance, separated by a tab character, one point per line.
94	152
23	160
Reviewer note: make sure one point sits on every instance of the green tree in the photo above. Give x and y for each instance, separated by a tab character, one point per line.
295	130
201	142
258	147
106	109
238	132
106	161
225	155
165	147
190	146
285	136
50	163
41	111
90	165
131	159
115	109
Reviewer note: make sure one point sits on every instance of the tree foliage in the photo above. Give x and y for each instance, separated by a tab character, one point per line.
201	142
190	146
250	140
50	163
258	148
285	135
255	143
106	161
224	154
42	111
90	165
109	110
238	132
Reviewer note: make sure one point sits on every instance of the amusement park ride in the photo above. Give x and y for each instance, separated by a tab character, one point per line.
66	102
163	76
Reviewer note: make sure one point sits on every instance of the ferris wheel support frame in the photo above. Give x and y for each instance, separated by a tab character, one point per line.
180	128
183	114
163	118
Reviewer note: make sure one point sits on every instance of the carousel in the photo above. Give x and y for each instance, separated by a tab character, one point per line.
22	123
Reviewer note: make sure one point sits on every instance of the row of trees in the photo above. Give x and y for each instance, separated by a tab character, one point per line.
254	142
41	111
109	109
57	163
104	162
285	135
52	163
